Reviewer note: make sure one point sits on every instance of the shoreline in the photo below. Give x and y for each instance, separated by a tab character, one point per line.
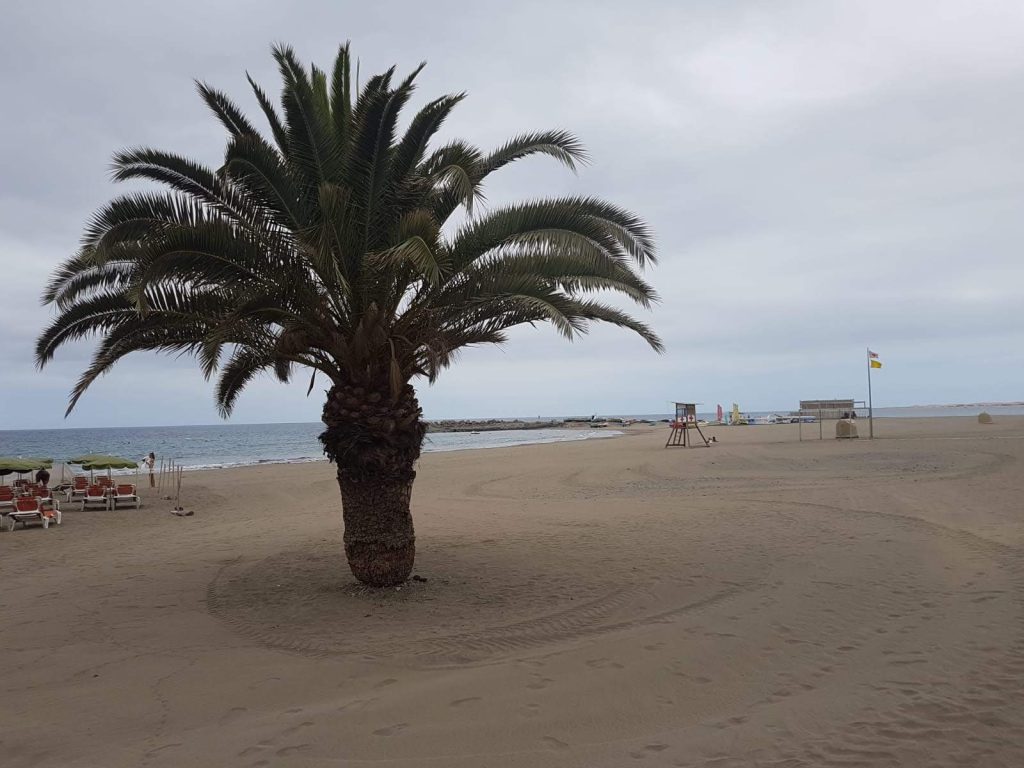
526	435
230	466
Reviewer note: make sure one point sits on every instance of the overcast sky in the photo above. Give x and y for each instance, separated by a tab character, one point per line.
821	176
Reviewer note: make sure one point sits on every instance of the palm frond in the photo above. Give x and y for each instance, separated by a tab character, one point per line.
131	337
341	98
618	232
561	145
410	151
243	366
95	314
311	143
268	180
274	119
230	116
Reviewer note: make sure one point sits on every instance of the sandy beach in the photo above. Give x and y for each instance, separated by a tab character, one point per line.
598	604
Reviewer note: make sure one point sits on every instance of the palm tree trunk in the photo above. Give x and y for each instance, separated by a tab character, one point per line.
375	440
380	542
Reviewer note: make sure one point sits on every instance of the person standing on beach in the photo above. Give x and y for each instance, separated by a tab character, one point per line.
150	462
43	478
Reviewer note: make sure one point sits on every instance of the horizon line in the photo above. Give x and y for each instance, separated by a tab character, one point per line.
608	414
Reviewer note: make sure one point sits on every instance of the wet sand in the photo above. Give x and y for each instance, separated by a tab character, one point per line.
600	604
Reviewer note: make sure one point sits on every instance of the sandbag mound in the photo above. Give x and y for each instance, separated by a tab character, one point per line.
984	417
846	429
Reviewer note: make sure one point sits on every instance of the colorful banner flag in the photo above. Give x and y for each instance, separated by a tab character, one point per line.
876	363
872	355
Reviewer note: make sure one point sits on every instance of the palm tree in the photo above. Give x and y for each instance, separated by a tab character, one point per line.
338	247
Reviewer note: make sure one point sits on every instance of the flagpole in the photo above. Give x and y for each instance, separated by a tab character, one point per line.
871	411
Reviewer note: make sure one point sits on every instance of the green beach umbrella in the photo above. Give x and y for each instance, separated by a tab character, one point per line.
87	458
94	461
109	462
99	461
22	464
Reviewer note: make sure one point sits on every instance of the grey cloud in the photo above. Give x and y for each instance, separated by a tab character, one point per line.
819	178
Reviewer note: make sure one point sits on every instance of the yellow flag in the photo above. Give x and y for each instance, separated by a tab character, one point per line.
876	363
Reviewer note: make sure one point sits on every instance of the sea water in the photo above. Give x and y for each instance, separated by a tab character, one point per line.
233	445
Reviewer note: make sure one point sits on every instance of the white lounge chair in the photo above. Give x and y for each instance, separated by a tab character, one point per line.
27	508
79	485
125	493
95	496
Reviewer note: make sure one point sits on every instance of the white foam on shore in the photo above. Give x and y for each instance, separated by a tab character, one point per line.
483	441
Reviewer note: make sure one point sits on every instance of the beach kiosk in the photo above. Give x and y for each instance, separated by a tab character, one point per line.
683	426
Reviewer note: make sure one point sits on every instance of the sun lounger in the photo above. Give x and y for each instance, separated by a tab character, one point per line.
125	493
95	496
28	508
6	500
78	488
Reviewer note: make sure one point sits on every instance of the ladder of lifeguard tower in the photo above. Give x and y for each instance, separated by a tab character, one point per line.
686	419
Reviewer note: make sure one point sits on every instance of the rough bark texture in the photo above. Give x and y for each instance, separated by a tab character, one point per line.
375	439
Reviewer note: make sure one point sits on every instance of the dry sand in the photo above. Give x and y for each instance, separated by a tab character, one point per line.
765	602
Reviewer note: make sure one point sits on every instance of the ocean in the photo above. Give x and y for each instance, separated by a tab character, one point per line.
214	446
233	445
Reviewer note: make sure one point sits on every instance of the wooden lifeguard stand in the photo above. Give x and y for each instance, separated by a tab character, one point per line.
686	420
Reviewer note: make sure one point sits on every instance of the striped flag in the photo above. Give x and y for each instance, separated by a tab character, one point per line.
872	355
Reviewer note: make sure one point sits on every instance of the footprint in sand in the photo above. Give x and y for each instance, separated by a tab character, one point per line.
640	754
529	710
357	704
460	702
604	664
255	749
293	750
391	730
161	748
232	714
551	741
385	683
296	728
539	683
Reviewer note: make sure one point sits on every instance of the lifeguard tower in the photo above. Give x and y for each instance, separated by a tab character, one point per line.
685	422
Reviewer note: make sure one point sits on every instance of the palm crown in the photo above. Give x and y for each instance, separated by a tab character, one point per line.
325	247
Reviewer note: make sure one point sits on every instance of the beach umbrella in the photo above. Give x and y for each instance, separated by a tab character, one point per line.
94	461
9	464
99	461
22	464
87	458
83	459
